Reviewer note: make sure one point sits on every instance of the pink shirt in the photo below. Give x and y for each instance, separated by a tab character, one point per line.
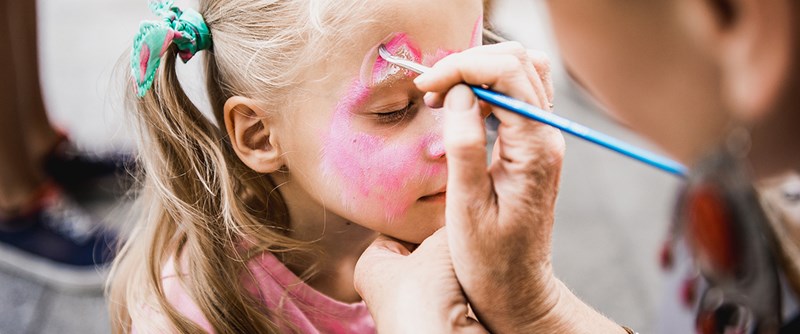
305	309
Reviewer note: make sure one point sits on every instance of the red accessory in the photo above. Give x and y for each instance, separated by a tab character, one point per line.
730	240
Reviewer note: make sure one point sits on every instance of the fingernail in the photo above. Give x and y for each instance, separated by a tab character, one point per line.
429	99
460	97
420	79
433	100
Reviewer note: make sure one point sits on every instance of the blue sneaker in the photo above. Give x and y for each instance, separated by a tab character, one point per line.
61	244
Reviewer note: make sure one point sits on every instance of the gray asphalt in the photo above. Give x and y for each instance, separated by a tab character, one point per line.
611	218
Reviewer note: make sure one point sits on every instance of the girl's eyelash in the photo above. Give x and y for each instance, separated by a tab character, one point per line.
396	115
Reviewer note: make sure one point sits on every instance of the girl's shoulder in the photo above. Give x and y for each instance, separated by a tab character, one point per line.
299	304
172	281
296	306
151	320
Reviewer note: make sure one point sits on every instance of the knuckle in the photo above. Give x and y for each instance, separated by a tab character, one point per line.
515	47
509	66
541	154
537	56
518	51
551	141
449	65
540	60
450	60
556	149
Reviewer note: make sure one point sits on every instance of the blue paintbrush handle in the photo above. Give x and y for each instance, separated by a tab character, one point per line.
580	131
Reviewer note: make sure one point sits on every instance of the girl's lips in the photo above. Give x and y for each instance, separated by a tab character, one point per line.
437	197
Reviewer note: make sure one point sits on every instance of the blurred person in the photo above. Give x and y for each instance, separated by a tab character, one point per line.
39	166
712	82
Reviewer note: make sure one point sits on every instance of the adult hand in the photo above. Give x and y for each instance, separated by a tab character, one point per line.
413	292
500	218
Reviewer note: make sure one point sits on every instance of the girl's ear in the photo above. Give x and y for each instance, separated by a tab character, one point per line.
252	135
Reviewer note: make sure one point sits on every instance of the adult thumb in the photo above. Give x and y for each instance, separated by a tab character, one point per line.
376	262
465	145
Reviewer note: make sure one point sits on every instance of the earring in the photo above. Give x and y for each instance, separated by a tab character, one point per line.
731	243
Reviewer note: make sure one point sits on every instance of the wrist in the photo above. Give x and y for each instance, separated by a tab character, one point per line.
557	316
517	302
569	314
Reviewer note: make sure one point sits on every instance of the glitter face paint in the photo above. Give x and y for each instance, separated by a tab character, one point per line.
371	166
375	70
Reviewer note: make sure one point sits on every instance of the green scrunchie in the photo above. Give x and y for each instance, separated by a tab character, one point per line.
186	29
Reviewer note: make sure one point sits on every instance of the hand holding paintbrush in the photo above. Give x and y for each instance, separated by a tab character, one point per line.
532	112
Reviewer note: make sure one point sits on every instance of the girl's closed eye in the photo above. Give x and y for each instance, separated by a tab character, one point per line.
396	113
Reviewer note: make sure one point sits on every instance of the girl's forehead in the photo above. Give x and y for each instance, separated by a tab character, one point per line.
430	24
442	25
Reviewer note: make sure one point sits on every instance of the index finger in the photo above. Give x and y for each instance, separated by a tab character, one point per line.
385	244
505	73
383	253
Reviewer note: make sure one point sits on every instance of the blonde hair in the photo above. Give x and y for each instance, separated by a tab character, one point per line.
199	203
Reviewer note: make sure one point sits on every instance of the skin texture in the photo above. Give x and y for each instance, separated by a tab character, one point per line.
444	308
683	73
500	240
346	171
371	171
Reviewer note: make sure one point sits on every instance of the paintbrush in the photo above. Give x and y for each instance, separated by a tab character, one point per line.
563	124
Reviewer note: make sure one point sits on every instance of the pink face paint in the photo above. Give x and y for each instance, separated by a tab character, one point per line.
477	33
372	167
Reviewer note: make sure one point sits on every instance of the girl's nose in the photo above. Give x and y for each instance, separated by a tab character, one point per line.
436	147
434	142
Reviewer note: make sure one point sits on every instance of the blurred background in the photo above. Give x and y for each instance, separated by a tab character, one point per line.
612	216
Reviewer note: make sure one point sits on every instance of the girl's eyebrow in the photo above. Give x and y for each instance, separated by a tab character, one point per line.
391	104
377	72
389	80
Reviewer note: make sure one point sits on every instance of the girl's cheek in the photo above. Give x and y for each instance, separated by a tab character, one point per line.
372	169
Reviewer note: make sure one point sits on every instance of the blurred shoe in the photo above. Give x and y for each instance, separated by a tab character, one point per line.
72	168
60	244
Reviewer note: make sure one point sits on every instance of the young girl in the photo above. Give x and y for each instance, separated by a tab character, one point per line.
252	222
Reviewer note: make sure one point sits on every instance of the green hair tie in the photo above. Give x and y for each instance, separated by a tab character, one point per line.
187	30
